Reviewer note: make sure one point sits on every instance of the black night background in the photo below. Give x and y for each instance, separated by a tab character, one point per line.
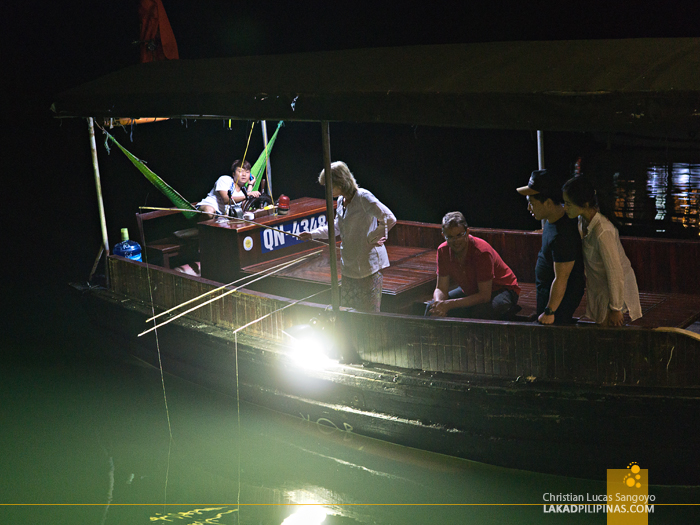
50	224
50	210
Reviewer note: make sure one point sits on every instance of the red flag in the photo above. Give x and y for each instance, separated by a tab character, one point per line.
157	39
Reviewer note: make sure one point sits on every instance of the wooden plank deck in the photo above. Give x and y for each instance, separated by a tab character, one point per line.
665	268
410	280
658	309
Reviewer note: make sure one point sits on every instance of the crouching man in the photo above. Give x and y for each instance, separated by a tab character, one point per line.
487	287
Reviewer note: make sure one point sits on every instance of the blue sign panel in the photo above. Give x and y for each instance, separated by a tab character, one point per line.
271	240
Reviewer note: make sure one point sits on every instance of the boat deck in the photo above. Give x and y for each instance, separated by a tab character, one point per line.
658	309
666	269
410	281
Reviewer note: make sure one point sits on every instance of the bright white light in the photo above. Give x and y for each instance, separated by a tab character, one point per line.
308	353
307	515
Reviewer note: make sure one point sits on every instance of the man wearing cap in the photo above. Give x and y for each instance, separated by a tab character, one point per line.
487	287
559	273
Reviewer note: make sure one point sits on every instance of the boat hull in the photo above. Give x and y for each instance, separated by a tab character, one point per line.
559	427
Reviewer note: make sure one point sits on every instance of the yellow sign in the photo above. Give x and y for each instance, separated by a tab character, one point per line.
628	496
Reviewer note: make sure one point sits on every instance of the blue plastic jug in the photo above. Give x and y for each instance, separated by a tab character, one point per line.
127	248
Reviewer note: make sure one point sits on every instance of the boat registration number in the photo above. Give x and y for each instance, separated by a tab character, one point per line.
271	240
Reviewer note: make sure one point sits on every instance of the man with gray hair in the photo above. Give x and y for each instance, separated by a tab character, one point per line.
487	287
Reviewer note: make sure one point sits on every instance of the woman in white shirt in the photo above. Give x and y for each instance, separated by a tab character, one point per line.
363	224
611	287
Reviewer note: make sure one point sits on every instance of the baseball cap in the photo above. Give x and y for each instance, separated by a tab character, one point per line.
541	181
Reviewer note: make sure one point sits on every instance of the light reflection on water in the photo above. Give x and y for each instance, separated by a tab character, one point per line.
94	434
88	419
665	200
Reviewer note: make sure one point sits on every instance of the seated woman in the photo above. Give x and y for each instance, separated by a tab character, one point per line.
611	286
228	190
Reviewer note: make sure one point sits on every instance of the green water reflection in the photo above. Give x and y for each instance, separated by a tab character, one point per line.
94	434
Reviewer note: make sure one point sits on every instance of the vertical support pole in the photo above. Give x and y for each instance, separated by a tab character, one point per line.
98	185
98	188
540	157
263	126
330	215
540	151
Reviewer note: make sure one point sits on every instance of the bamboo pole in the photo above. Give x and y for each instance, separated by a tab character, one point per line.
279	310
269	271
540	158
100	203
155	208
100	251
263	126
330	215
98	185
228	292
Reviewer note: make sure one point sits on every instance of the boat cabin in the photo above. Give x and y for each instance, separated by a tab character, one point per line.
224	250
560	399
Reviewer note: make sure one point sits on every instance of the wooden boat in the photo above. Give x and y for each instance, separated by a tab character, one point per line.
572	400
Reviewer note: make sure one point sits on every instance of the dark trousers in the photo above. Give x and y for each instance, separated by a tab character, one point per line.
502	302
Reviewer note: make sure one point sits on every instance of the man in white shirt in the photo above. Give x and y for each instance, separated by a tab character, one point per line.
228	190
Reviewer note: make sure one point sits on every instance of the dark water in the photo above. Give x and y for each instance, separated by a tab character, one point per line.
85	439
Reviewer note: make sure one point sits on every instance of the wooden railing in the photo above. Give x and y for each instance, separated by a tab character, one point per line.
629	356
660	265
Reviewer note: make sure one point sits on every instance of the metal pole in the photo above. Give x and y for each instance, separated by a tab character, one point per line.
263	126
330	215
540	151
540	158
98	186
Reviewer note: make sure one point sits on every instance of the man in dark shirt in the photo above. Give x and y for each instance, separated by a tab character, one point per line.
559	273
487	289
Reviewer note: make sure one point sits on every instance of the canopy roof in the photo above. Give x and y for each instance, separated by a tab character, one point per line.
641	85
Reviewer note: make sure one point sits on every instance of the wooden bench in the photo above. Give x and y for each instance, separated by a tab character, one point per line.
168	237
666	270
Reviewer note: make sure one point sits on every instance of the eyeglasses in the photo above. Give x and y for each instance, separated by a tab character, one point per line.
456	237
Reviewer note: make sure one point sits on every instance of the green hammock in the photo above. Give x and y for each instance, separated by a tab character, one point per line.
259	167
159	183
177	199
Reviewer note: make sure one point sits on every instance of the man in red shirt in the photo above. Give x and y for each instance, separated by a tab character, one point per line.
488	288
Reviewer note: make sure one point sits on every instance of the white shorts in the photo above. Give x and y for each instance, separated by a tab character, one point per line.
213	202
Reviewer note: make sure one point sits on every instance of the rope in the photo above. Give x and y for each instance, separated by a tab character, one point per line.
247	144
238	411
162	376
154	208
